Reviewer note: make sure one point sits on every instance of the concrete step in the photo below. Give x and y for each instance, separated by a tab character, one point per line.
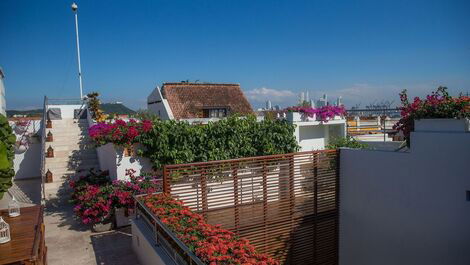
68	172
66	168
71	147
76	135
75	154
72	142
66	159
67	130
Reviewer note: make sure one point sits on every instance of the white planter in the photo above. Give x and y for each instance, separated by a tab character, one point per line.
442	125
297	116
121	218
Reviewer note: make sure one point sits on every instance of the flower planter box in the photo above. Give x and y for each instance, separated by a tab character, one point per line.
442	125
293	116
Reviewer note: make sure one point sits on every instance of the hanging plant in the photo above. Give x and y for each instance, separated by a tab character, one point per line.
7	144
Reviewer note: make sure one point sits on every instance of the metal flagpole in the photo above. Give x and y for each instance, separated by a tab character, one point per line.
74	9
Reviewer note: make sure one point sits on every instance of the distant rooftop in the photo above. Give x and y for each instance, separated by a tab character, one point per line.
189	100
116	108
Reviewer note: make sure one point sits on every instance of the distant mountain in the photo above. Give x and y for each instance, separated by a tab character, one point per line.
108	108
27	113
116	108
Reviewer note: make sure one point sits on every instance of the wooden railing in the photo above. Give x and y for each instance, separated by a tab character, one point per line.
286	205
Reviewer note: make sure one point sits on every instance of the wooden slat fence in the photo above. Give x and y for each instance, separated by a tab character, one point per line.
286	205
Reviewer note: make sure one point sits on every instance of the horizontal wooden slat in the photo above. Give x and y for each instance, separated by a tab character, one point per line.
286	205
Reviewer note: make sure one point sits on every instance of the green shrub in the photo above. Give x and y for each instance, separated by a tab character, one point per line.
7	153
176	142
347	141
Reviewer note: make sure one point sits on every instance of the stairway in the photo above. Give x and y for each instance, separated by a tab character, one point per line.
74	155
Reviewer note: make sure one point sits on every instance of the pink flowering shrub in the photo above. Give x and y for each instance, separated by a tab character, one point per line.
95	197
437	105
119	132
323	114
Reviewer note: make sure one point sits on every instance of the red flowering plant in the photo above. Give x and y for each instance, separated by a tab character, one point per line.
438	105
323	114
91	197
95	196
210	243
119	132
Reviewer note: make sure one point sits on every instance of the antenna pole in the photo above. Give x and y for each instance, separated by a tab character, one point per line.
74	9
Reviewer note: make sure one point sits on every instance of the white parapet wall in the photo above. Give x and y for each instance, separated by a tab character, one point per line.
145	247
112	158
410	207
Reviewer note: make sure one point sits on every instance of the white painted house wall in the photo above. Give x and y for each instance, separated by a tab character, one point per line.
159	106
407	208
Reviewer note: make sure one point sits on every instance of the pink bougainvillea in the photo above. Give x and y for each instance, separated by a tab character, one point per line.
323	114
119	132
95	197
437	105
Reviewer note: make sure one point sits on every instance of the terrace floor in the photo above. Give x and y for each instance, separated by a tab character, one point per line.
70	242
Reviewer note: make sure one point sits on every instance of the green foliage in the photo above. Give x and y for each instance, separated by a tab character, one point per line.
145	115
347	141
176	142
7	145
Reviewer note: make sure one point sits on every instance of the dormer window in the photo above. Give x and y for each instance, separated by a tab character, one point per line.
215	113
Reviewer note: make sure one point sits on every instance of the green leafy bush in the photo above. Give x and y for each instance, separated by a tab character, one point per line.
7	145
176	142
347	141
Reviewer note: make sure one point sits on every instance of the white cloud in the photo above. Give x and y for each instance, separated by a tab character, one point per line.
262	94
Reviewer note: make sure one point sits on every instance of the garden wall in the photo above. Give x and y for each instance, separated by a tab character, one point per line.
112	159
28	164
407	208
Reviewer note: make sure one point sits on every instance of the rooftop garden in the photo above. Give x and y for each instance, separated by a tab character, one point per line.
176	142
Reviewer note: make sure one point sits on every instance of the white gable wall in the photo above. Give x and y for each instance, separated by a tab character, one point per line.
159	106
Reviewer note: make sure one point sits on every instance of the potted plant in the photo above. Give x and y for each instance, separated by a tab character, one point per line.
437	112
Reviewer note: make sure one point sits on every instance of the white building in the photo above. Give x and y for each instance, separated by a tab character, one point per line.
2	94
312	134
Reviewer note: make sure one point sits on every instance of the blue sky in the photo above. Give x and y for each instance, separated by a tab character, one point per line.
362	50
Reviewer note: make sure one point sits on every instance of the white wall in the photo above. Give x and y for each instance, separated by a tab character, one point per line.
315	135
159	106
112	159
407	208
28	164
67	111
